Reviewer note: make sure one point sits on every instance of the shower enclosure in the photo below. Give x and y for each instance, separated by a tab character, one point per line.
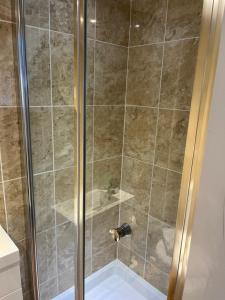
106	106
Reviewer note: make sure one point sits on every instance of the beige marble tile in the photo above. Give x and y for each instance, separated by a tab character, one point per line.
136	180
107	174
88	187
25	270
110	74
89	134
102	223
10	137
113	20
184	19
37	13
171	139
108	131
178	74
2	209
131	259
158	198
64	189
90	71
172	197
65	234
62	66
48	289
46	255
91	18
147	21
103	257
144	71
140	130
160	244
163	139
8	74
7	10
88	267
44	201
89	177
138	221
38	64
66	280
62	15
64	184
106	183
16	209
41	138
178	140
64	136
165	195
156	277
88	239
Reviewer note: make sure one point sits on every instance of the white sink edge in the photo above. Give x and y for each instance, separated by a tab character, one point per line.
9	253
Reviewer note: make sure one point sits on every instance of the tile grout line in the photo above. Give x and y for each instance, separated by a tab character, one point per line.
49	30
51	171
98	105
112	44
53	149
124	122
3	191
49	106
167	42
157	122
152	164
169	154
7	22
10	180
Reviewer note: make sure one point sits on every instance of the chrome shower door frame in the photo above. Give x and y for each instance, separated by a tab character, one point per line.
79	104
24	102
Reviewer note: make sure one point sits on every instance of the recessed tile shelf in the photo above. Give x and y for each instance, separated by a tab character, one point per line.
115	282
98	201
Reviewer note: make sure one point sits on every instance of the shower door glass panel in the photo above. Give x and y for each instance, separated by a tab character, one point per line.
50	61
141	58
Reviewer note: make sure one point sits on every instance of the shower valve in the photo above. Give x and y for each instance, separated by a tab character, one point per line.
118	233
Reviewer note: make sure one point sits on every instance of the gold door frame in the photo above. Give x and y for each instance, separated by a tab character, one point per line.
212	18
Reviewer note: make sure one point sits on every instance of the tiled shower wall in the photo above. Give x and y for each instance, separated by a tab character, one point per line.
142	57
12	183
50	68
107	69
163	45
50	53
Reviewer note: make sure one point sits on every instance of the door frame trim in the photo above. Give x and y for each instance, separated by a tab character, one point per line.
212	19
79	105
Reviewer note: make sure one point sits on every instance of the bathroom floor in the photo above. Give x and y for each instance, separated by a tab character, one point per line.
116	282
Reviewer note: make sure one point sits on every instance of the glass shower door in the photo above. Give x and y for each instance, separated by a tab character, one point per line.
49	35
141	59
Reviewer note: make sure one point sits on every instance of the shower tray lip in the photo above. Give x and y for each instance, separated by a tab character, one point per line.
119	269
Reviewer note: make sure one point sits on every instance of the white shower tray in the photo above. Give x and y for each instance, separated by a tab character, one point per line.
116	282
